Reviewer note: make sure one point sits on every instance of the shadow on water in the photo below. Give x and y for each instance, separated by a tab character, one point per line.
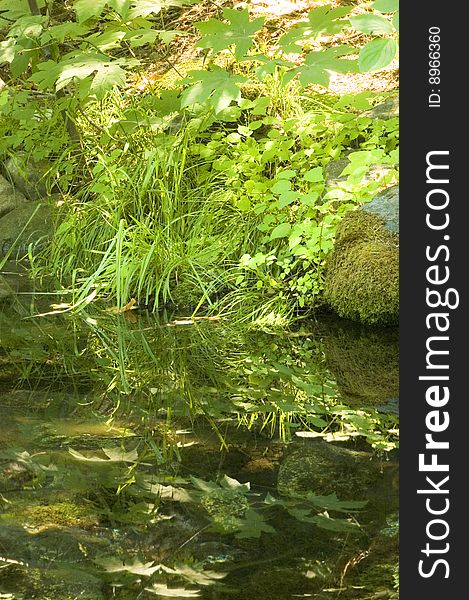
147	456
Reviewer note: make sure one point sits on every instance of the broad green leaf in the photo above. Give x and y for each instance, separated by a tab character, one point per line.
218	86
282	230
205	486
395	21
287	198
107	73
7	51
371	24
140	37
108	39
331	502
281	186
233	484
121	7
321	20
386	6
314	175
144	8
326	522
268	65
318	64
65	30
217	35
30	26
252	525
15	9
20	63
377	54
86	9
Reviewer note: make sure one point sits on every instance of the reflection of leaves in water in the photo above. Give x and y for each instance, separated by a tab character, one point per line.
161	589
135	566
114	455
252	525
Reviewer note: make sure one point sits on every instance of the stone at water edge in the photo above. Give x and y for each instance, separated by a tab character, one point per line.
27	175
386	206
10	197
362	271
39	215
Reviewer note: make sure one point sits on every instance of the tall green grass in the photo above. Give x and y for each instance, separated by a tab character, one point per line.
151	223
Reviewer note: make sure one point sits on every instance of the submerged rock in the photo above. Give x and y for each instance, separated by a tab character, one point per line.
362	273
27	175
24	224
10	198
322	468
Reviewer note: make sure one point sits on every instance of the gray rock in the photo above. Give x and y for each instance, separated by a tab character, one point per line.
27	175
323	468
10	198
24	224
335	168
386	206
387	110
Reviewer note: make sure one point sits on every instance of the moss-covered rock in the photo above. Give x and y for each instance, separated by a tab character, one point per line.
365	363
362	274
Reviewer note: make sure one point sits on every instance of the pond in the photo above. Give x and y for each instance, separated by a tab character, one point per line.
153	456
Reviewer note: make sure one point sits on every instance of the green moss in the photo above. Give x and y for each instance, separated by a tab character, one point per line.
362	275
364	363
58	514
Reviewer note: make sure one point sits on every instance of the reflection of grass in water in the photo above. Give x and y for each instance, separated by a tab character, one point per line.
277	384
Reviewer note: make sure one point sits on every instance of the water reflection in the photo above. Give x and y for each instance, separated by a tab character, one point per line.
145	456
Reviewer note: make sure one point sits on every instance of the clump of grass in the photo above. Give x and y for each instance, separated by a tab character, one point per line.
152	223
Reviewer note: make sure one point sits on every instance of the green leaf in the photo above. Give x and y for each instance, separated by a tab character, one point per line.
218	86
65	30
121	7
326	522
12	10
281	186
107	73
252	525
143	8
321	20
386	6
282	230
86	9
8	50
233	484
331	502
287	198
314	175
377	54
395	21
30	26
371	24
318	64
218	36
141	37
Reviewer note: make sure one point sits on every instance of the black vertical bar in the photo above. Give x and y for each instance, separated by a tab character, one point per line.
434	255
